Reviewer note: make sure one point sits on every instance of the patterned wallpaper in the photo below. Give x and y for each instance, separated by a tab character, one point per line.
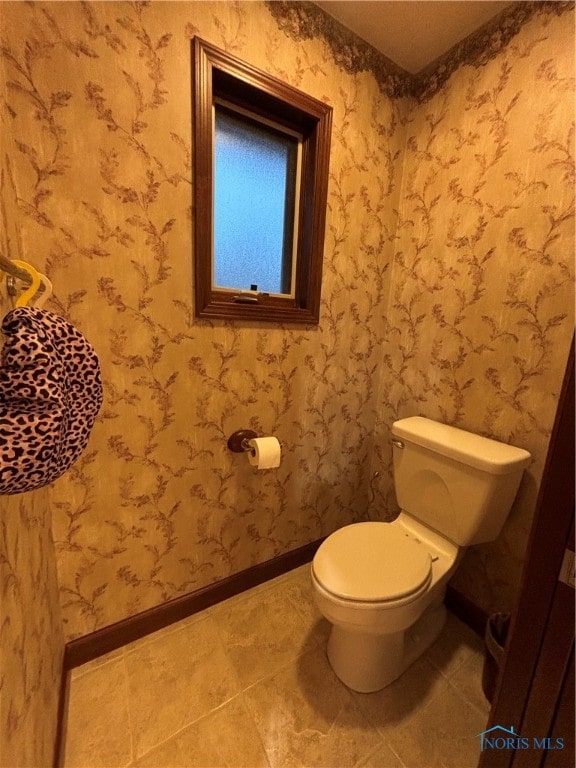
31	634
99	104
31	631
480	313
446	289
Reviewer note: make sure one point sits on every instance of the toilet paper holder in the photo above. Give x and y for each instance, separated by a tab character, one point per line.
238	441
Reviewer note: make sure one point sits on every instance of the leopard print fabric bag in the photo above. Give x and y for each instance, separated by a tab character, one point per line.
50	395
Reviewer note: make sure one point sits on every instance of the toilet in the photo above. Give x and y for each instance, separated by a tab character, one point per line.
382	585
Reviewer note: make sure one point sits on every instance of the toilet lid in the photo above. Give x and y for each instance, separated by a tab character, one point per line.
372	562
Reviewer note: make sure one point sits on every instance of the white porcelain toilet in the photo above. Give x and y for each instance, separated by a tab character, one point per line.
382	585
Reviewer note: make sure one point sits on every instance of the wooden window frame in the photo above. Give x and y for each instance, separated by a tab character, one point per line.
217	74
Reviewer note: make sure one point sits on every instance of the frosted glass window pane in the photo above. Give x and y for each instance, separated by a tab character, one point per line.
254	202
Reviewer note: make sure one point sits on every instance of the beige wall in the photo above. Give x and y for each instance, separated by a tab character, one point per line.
452	299
31	635
158	506
480	313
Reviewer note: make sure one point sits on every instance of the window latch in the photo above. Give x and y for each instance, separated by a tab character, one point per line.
246	297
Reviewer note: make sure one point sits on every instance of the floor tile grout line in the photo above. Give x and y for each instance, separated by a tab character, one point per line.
238	686
434	699
256	728
241	687
302	651
258	589
285	664
206	613
439	666
160	634
395	753
238	696
349	700
169	629
463	697
188	725
129	710
375	750
92	666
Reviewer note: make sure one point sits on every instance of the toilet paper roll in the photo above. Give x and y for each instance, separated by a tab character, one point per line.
264	452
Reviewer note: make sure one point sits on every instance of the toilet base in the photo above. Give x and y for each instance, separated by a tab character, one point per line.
367	663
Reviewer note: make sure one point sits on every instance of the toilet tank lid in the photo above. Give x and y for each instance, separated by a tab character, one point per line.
483	453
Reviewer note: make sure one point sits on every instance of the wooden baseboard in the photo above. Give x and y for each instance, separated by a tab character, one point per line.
89	647
467	611
116	635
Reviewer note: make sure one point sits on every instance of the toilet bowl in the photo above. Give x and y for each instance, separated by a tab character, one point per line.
382	585
394	580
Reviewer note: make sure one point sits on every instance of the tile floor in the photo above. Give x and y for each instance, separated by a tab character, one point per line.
247	683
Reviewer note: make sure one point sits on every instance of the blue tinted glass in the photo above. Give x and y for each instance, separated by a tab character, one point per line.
255	171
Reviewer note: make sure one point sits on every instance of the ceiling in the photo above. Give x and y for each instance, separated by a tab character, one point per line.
413	33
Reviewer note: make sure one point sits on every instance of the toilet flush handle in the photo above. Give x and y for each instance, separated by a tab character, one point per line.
398	443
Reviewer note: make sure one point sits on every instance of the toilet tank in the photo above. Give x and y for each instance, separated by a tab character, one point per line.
455	482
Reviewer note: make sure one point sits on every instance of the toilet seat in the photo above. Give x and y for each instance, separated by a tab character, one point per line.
372	562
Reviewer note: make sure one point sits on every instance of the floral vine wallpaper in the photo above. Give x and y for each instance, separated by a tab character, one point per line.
447	290
480	312
31	630
99	101
31	636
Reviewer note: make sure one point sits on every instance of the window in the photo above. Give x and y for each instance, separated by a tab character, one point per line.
255	169
261	153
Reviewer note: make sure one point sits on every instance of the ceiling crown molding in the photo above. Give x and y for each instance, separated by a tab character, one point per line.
303	20
306	21
481	46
